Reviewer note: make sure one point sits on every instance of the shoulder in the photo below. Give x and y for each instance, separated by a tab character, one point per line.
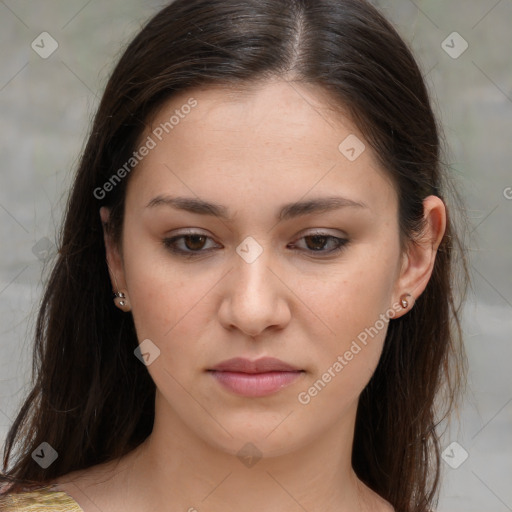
43	499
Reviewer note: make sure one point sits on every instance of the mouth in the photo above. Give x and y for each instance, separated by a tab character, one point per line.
262	377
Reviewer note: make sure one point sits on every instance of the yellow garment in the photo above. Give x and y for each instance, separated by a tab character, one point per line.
43	499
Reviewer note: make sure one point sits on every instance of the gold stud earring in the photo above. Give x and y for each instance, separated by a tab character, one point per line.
404	301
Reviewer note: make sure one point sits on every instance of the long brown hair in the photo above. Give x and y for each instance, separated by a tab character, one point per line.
91	398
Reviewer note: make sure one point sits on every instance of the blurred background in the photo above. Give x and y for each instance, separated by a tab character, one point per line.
55	58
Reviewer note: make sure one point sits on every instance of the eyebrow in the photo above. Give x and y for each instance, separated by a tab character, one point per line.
287	211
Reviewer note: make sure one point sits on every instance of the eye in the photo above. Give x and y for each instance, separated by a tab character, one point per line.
317	241
193	244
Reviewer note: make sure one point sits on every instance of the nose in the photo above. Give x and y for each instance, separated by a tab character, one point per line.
255	297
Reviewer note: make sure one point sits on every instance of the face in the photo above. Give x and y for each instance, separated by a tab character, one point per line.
309	285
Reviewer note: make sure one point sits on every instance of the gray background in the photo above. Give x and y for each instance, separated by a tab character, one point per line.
46	106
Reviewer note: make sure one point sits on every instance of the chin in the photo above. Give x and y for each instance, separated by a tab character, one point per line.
264	436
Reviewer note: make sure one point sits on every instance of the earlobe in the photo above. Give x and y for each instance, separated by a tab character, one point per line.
418	263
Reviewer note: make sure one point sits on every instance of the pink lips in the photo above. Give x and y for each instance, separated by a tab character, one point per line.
255	378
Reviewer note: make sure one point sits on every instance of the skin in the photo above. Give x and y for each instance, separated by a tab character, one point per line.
253	152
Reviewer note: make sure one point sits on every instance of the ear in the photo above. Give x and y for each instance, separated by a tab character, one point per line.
113	254
418	262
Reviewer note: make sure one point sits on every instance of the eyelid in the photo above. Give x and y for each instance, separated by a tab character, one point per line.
322	232
189	232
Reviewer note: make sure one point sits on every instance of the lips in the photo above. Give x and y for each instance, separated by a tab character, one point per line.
263	365
258	378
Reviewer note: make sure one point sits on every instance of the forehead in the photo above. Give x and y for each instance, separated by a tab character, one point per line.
273	138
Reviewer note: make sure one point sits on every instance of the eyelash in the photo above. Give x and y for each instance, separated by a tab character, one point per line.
341	244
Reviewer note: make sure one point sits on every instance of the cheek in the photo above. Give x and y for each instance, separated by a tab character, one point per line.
171	303
346	339
159	290
352	297
168	309
344	362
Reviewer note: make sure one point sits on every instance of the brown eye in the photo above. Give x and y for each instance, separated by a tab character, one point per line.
187	245
322	243
194	242
317	242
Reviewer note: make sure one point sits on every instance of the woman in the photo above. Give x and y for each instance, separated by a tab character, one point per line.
262	191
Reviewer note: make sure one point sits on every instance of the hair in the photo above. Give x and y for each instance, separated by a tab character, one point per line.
91	399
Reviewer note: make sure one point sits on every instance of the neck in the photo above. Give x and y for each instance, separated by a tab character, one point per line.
176	466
